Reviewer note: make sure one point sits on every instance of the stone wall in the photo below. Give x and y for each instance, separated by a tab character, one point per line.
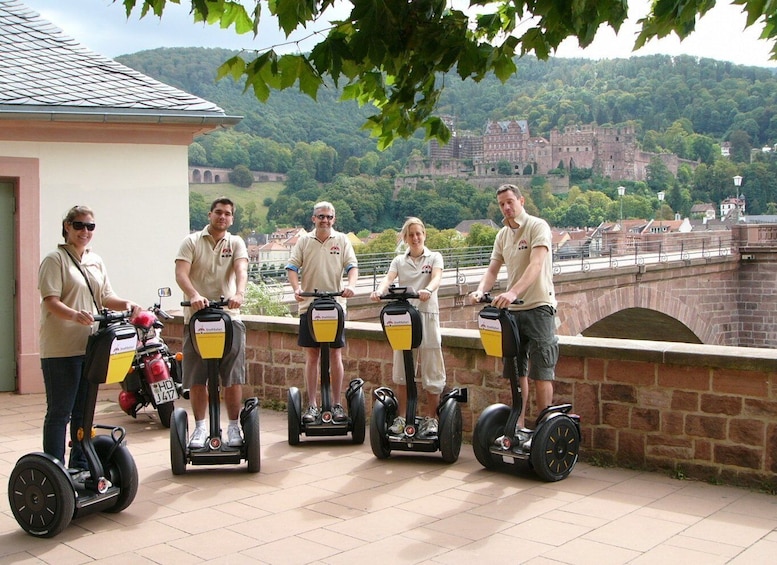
756	284
708	412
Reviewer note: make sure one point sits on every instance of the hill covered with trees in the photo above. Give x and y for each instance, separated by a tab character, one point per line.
681	105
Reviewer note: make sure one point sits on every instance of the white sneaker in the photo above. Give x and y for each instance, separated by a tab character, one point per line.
428	428
398	426
198	439
234	439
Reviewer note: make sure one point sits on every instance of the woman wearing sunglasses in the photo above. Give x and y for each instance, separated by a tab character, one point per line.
73	285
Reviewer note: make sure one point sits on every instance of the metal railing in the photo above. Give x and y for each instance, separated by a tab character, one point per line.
464	263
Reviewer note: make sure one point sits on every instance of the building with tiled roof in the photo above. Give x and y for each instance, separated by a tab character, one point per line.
79	128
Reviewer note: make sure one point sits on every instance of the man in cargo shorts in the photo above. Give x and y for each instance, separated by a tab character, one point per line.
523	245
210	264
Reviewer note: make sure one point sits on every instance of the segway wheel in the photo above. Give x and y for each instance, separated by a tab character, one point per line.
252	440
165	411
555	448
41	496
179	437
490	425
358	417
119	468
294	409
450	431
379	431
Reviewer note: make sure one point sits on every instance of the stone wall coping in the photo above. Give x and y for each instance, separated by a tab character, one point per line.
660	352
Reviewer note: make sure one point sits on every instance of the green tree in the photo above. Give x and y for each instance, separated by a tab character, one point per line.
390	54
481	235
659	177
197	155
504	168
445	239
198	211
352	167
740	146
385	242
241	176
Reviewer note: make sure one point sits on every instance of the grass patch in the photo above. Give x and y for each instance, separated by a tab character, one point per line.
257	192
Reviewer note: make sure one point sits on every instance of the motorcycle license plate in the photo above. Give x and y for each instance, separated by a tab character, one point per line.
163	391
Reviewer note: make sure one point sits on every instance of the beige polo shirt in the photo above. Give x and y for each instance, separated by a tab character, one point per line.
212	265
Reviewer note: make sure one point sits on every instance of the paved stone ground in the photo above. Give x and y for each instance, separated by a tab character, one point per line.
328	501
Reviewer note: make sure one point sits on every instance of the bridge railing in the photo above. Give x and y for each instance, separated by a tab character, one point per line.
609	252
619	250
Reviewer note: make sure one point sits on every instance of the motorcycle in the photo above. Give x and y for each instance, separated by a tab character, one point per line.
155	376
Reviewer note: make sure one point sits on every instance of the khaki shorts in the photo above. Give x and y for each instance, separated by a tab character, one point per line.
232	368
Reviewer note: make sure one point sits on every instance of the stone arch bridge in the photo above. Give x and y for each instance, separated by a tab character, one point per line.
715	297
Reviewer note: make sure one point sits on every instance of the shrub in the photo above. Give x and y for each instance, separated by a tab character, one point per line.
241	176
265	300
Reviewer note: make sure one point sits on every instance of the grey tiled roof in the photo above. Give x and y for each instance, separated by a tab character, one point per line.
45	72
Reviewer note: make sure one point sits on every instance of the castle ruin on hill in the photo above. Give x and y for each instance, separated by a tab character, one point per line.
608	151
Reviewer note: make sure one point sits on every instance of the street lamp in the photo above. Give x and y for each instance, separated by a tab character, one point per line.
737	184
621	192
660	205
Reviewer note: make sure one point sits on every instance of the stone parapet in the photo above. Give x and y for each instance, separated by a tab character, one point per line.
708	412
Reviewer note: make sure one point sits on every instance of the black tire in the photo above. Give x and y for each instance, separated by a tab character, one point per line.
179	435
358	416
120	469
490	425
41	496
450	431
165	412
252	440
555	448
294	409
379	425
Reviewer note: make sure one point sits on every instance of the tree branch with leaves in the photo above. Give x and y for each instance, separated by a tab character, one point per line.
392	54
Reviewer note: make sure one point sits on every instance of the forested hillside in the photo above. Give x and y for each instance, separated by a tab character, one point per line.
654	91
680	105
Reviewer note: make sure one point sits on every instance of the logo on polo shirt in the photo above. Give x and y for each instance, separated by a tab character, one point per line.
334	250
523	245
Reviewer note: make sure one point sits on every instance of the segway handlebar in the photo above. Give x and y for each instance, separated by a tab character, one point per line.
107	316
400	293
211	303
488	299
322	293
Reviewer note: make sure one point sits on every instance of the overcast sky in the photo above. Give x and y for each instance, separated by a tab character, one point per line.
103	27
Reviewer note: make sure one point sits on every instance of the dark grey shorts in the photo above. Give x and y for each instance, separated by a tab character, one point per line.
538	353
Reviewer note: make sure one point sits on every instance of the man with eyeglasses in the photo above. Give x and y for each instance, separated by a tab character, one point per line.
318	262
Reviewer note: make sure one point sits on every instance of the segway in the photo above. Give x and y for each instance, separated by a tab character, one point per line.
552	448
327	323
210	330
401	323
44	496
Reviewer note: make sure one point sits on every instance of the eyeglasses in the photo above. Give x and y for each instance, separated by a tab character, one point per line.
325	216
78	226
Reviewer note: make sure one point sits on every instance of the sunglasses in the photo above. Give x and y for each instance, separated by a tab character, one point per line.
78	226
325	217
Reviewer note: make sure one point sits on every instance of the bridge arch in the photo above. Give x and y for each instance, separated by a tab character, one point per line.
636	313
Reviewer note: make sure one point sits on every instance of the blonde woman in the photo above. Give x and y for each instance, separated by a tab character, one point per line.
420	268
